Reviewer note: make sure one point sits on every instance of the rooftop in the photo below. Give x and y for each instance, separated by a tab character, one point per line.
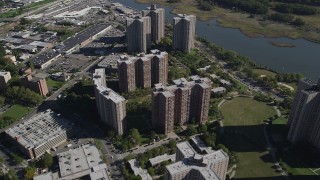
110	94
195	162
162	158
39	129
82	161
83	36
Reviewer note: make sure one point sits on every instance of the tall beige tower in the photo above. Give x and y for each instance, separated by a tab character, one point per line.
184	28
138	34
111	106
157	16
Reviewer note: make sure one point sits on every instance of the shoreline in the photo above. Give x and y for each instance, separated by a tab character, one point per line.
220	18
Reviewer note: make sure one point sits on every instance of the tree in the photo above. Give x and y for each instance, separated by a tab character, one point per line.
29	172
110	134
151	171
172	144
191	130
202	128
17	159
1	160
11	175
46	160
135	136
2	51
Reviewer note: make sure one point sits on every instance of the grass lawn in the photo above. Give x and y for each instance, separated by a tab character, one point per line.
243	134
249	155
245	111
280	120
54	84
264	72
17	111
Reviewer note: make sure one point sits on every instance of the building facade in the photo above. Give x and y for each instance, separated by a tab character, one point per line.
184	27
36	84
304	118
157	16
40	133
190	100
163	110
111	106
138	34
143	70
5	76
192	165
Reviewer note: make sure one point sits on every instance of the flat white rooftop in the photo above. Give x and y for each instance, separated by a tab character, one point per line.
39	129
82	161
162	158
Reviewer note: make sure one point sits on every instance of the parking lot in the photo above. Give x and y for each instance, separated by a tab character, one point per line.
70	63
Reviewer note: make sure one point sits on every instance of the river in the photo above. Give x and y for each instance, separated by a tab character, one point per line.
303	58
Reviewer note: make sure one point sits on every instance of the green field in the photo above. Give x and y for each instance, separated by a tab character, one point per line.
264	72
243	134
245	111
54	84
17	111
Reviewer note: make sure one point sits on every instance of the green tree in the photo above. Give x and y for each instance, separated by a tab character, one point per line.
11	175
46	160
202	128
172	144
110	134
134	135
151	171
191	130
17	159
29	172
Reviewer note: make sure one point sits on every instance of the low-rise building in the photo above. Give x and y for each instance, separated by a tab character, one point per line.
5	76
12	59
138	171
84	161
36	84
218	90
159	159
40	133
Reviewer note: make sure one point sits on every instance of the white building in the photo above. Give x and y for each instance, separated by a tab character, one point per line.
40	133
5	76
82	161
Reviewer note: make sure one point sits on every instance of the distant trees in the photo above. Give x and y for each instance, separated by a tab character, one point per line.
295	9
250	6
22	95
205	5
174	1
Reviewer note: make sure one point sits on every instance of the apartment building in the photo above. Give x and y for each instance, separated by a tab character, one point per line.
138	34
142	70
304	118
157	16
184	28
111	106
